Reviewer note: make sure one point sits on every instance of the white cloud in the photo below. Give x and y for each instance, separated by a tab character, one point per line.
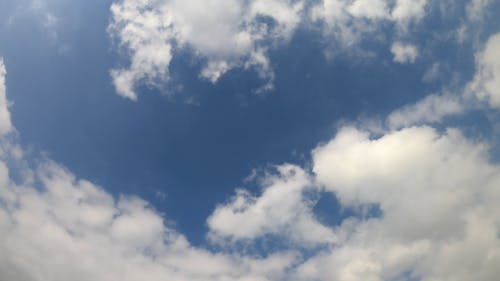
437	193
372	9
225	33
431	109
404	53
408	11
486	83
282	210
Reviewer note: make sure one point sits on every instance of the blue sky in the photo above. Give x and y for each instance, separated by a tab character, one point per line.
303	135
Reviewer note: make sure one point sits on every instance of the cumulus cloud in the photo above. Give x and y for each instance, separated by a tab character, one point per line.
404	53
224	33
437	194
281	210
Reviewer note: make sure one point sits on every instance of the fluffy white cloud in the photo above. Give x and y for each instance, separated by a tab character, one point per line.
437	193
282	210
486	83
404	53
225	33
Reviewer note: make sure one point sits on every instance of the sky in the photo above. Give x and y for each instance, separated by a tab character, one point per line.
256	140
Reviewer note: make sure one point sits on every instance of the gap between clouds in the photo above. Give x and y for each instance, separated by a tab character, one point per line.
437	192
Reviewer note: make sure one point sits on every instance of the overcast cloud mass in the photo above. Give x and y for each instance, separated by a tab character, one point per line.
403	186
